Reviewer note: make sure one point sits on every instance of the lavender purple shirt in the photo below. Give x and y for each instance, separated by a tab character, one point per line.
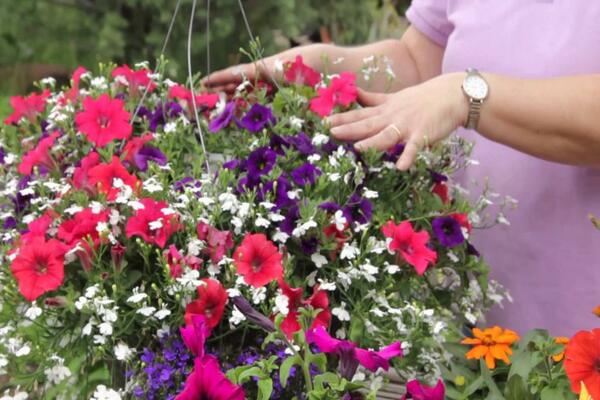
549	257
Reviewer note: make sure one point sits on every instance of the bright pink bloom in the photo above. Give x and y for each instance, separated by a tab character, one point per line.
351	355
301	74
195	333
219	242
28	107
208	100
152	224
135	78
82	228
258	260
176	261
103	120
211	301
318	300
39	267
102	177
341	91
81	174
73	93
207	382
40	155
417	391
411	245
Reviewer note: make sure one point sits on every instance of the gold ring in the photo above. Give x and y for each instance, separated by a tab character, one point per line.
394	127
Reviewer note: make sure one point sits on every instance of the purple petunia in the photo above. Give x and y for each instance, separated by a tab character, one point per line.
448	231
393	153
306	174
358	209
261	161
302	144
279	144
257	118
223	119
146	154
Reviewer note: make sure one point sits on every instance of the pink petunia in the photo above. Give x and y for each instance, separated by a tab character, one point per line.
301	74
39	156
411	245
341	91
258	260
102	178
103	120
417	391
152	224
27	107
136	79
318	300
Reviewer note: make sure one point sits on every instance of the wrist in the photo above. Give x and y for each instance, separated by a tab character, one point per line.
460	101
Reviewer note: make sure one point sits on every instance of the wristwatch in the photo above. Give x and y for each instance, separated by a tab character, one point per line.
476	89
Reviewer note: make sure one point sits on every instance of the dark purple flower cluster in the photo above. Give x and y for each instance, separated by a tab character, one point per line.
161	114
163	372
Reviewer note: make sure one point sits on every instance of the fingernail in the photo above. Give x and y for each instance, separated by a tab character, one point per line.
334	131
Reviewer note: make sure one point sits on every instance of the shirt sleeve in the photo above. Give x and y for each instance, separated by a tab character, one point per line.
430	17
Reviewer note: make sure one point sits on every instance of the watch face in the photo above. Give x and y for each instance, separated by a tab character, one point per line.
475	87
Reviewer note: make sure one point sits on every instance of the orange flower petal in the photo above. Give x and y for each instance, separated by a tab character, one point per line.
490	361
471	341
477	352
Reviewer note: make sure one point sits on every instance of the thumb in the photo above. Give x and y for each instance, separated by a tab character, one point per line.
370	99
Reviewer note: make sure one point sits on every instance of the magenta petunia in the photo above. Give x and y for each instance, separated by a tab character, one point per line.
103	120
417	391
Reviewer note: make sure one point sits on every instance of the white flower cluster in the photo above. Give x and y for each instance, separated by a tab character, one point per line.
103	314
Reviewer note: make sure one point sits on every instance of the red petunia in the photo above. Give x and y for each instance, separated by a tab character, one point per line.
441	189
341	91
258	260
318	300
135	79
411	245
72	94
134	146
463	220
208	100
582	358
340	237
218	242
27	107
81	178
301	74
210	303
38	156
176	261
102	177
39	267
82	228
152	224
103	120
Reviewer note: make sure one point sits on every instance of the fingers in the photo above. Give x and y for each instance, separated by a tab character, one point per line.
231	75
359	130
371	99
385	139
408	156
350	117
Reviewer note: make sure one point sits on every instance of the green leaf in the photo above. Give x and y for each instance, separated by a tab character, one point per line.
328	377
249	373
552	393
265	388
495	393
516	389
286	366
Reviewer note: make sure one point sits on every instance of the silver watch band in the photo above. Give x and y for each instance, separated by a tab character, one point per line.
474	113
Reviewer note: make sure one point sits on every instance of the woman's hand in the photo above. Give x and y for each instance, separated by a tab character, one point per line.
228	79
417	116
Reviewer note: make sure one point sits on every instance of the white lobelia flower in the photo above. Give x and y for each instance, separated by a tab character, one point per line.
339	220
162	314
282	303
258	294
261	222
301	229
74	209
123	352
104	393
170	127
280	236
105	328
228	202
296	123
318	259
328	286
391	268
137	296
370	194
341	313
57	373
146	311
156	225
236	317
349	251
33	312
320	139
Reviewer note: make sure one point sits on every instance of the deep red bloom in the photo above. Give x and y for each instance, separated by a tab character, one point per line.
28	107
411	245
210	303
341	91
582	361
441	189
463	220
39	155
152	224
81	174
39	267
135	78
340	237
258	260
72	94
318	300
82	228
208	100
103	120
219	242
301	74
176	261
102	178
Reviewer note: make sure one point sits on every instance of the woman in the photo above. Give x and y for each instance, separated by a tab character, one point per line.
536	108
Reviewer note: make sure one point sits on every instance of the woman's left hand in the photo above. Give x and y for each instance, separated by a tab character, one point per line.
417	116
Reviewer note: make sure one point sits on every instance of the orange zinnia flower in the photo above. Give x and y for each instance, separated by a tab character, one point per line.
492	343
596	311
560	340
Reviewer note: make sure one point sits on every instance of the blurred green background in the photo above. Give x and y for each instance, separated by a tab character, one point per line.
41	38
